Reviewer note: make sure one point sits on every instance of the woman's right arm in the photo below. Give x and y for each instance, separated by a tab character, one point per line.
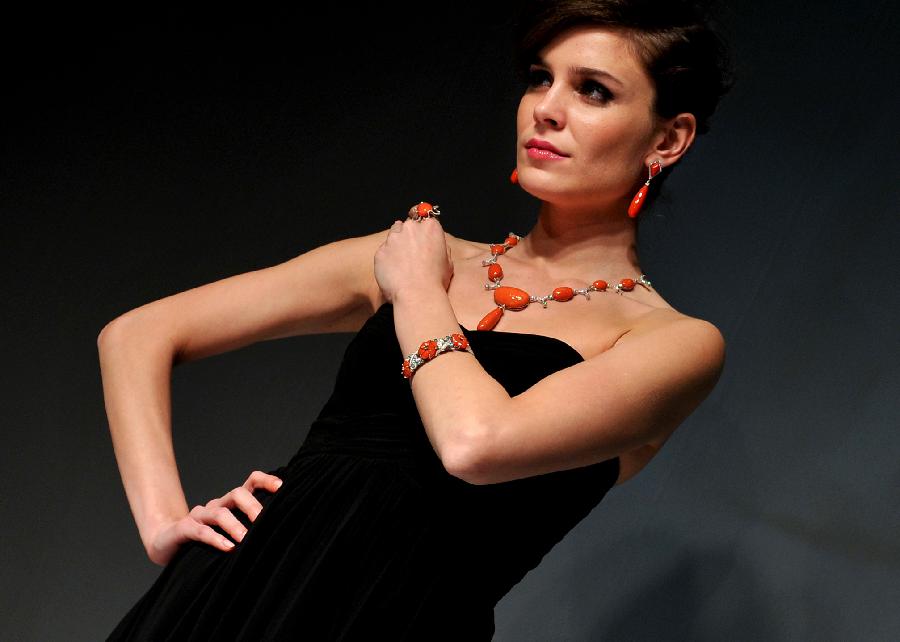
331	288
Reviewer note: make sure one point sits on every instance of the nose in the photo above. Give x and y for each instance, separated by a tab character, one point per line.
549	109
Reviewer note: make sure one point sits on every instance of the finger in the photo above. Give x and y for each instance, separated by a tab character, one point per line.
207	534
259	479
226	520
245	501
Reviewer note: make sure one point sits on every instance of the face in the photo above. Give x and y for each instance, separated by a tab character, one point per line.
601	122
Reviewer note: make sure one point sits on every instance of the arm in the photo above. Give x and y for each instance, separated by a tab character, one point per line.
138	350
630	396
454	398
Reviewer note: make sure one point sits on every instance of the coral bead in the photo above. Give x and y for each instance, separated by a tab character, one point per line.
512	240
490	320
428	349
512	298
460	342
563	293
495	272
655	167
497	248
514	177
422	209
627	284
600	284
407	371
638	202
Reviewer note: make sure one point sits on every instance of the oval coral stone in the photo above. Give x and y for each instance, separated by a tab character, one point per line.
563	293
512	298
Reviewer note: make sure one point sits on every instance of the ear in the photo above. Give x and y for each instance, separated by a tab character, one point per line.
673	139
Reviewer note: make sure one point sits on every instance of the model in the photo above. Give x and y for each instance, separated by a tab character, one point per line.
492	395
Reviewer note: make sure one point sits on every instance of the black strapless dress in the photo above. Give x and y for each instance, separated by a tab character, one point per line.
369	536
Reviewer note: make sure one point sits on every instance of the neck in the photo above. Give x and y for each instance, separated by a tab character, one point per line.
586	241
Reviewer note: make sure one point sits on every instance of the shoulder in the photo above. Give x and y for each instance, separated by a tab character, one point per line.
356	257
461	249
675	360
695	347
359	251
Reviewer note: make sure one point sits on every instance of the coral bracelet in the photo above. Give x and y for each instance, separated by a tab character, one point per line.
432	348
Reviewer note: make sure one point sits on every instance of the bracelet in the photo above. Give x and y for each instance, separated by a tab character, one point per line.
432	348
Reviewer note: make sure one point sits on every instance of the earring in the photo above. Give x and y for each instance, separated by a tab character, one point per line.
638	201
514	177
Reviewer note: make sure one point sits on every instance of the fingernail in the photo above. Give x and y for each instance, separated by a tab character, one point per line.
278	484
228	543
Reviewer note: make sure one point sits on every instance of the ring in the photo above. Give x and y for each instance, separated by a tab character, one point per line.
423	210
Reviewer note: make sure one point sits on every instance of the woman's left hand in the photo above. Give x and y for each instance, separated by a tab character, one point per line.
414	255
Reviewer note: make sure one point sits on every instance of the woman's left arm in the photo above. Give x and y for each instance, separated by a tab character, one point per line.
633	394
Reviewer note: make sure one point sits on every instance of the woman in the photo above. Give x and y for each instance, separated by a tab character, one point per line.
448	460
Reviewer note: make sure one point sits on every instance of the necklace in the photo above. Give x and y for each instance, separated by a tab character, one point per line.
516	299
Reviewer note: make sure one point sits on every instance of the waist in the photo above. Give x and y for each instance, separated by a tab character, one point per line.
381	435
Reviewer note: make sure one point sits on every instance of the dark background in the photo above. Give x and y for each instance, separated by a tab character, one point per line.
144	155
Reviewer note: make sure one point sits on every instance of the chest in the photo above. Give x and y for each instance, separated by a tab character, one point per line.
590	325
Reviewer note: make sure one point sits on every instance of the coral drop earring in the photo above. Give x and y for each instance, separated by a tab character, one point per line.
638	201
514	177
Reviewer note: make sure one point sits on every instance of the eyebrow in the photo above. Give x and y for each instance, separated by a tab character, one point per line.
582	71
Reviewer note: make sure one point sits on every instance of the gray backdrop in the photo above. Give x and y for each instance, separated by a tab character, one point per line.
141	160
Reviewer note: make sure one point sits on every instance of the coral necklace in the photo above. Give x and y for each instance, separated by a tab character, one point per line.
508	298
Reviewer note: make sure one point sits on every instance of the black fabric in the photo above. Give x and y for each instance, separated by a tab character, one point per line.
369	535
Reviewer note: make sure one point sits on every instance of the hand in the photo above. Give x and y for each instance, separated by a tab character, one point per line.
165	541
414	255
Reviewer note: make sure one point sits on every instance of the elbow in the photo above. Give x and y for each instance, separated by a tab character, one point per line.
116	330
108	331
130	329
464	460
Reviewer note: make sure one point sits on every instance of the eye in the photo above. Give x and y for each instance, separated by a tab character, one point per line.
533	76
596	91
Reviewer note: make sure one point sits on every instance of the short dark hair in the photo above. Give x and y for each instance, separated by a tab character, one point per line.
682	52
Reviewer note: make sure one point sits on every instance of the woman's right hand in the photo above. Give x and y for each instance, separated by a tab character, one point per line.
165	541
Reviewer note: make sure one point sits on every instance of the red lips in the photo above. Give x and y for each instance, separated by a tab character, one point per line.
543	144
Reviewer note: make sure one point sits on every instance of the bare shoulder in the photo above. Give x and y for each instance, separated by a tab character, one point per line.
461	249
362	250
688	353
698	339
